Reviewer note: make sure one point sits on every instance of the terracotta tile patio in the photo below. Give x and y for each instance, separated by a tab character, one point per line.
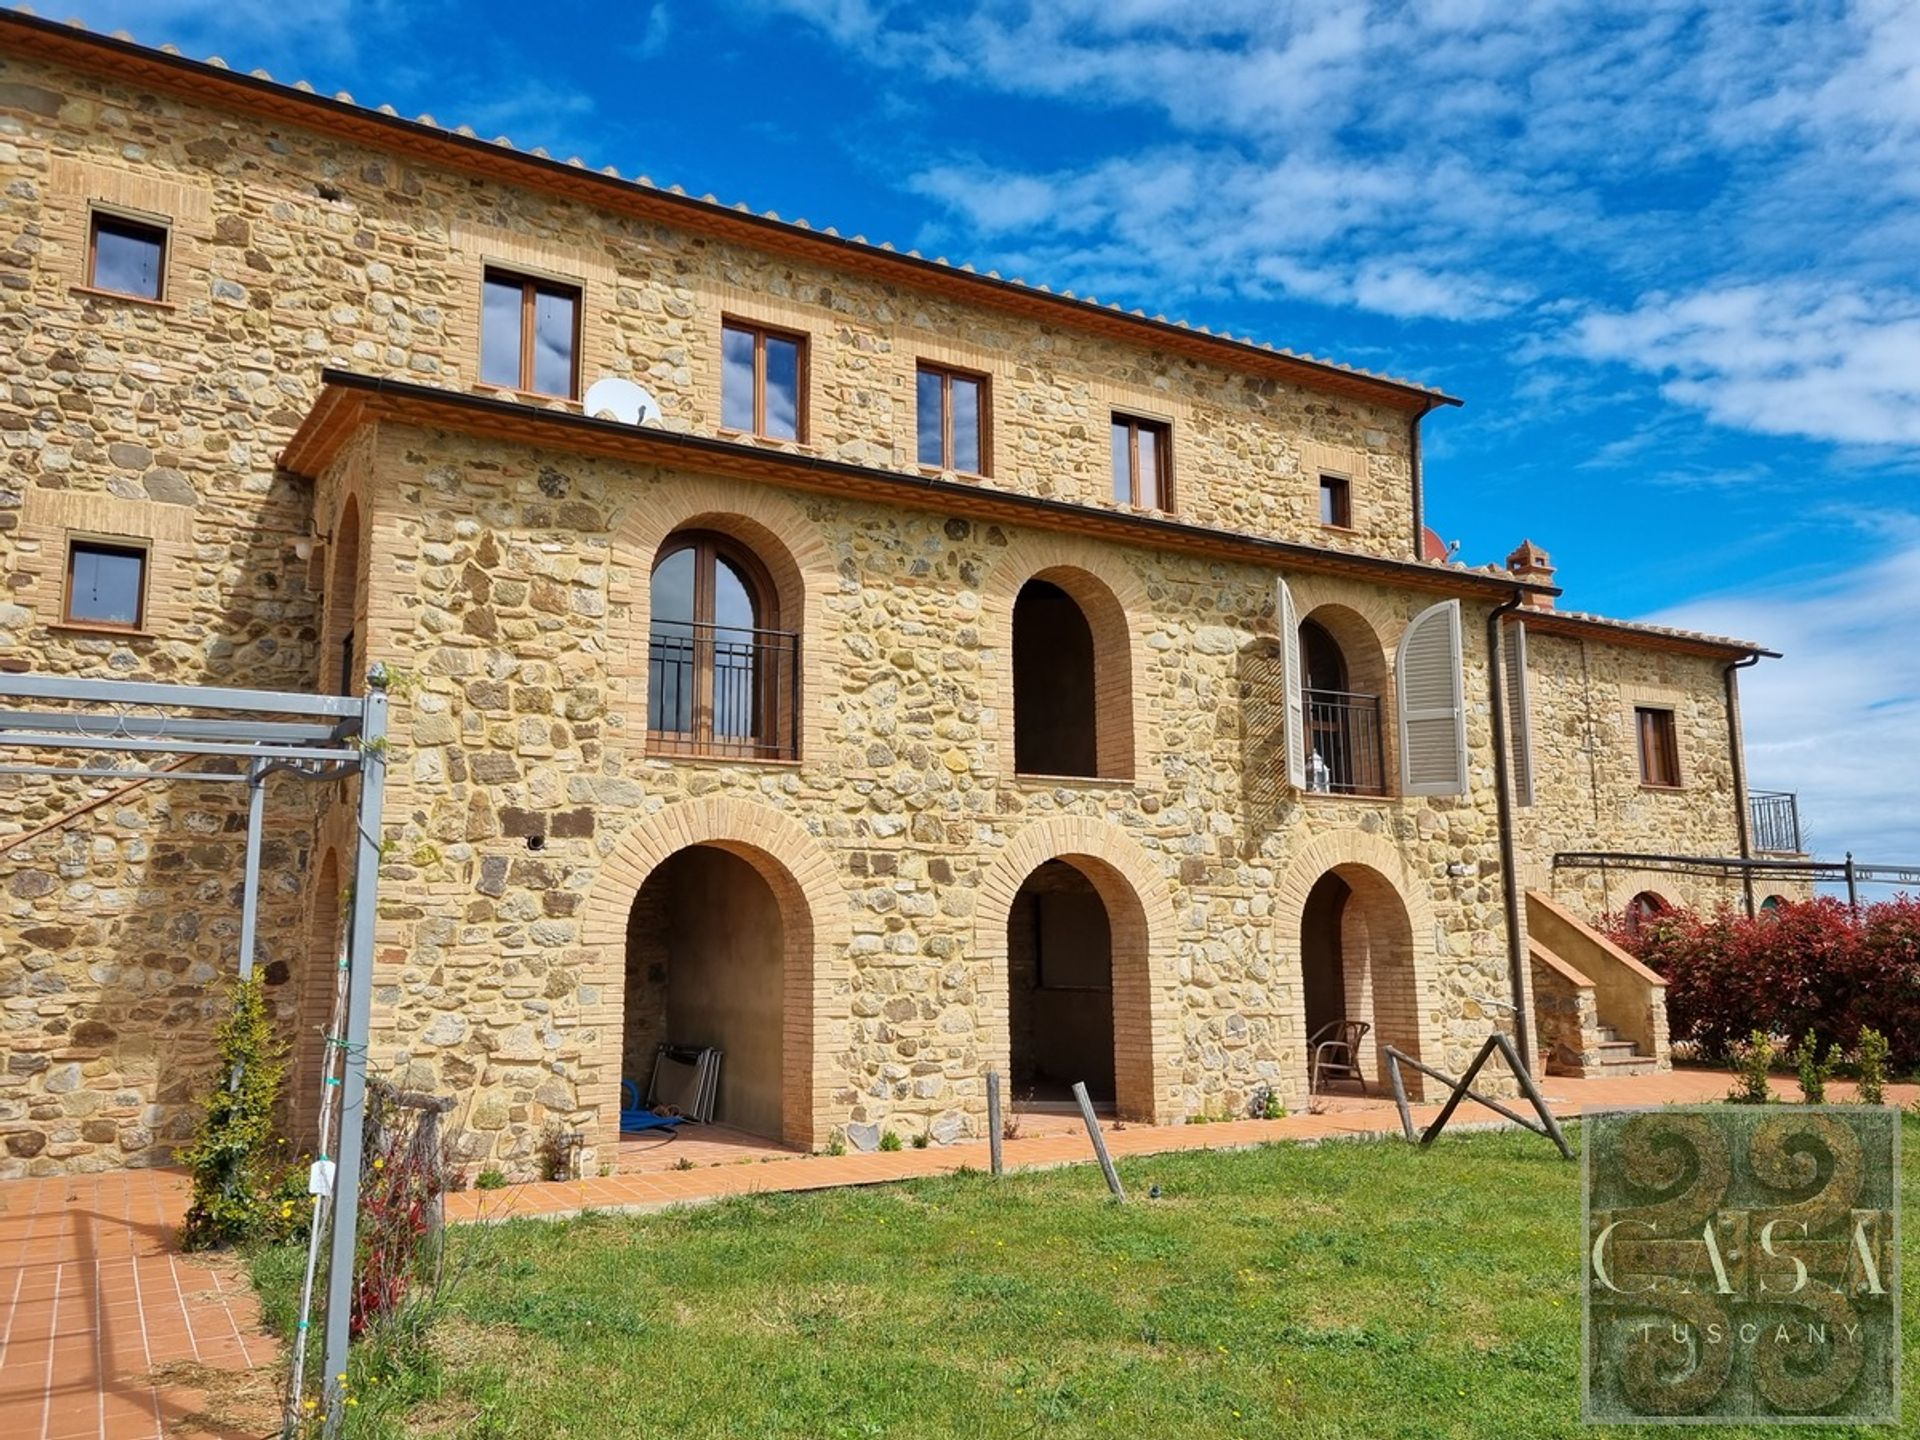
107	1331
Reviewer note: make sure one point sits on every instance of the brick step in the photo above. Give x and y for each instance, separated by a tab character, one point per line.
1631	1063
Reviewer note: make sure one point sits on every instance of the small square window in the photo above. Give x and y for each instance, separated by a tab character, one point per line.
1336	502
1659	748
1142	462
763	381
951	412
530	335
106	585
127	257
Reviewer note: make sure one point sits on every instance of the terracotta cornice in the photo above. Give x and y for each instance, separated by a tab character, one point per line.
468	154
349	400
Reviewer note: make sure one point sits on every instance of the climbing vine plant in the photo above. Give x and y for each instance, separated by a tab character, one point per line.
244	1185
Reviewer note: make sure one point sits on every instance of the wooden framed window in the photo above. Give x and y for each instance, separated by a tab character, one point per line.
1142	462
951	414
530	334
722	677
763	381
128	257
106	585
1659	747
1336	502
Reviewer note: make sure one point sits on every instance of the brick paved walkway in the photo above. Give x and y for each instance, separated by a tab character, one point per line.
107	1331
105	1328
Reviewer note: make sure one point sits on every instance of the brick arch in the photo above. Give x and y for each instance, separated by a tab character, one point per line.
817	919
770	523
1109	594
1139	904
1390	915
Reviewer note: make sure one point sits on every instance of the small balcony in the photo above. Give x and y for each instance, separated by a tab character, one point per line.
723	691
1343	733
1775	822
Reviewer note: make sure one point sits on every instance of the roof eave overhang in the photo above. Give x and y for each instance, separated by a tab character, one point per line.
1625	632
349	400
250	94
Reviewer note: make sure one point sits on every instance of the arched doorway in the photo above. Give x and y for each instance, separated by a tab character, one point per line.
1642	910
709	947
1060	988
1356	959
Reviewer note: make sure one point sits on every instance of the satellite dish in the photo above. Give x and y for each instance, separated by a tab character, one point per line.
622	400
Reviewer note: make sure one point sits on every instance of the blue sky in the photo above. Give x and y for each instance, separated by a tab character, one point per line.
1663	250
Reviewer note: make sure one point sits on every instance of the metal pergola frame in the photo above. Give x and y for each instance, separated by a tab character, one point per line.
1849	872
333	738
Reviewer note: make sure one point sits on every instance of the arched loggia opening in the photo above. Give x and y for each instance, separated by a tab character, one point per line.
340	661
1072	678
1343	683
712	951
1642	910
1079	993
1356	956
308	1010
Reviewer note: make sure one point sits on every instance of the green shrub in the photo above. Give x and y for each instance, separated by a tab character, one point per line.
1873	1067
1816	1068
1752	1062
889	1141
491	1178
245	1187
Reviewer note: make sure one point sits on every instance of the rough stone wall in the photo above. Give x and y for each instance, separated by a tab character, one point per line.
1587	790
294	251
904	786
511	589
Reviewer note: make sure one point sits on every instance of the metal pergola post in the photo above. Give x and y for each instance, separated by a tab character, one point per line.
337	736
353	1094
250	887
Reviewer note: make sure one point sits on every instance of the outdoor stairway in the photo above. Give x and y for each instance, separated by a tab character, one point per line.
1598	1012
1622	1057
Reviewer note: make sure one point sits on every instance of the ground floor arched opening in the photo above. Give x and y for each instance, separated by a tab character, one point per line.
713	956
1060	988
1356	963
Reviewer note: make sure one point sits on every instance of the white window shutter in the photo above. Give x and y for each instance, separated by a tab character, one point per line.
1519	718
1296	736
1433	711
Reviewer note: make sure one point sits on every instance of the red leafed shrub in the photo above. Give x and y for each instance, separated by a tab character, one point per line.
1798	968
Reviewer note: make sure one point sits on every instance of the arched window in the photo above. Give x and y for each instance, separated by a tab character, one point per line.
1773	904
721	674
1342	725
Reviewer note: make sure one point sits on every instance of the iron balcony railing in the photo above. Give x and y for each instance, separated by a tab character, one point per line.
1344	731
723	690
1776	822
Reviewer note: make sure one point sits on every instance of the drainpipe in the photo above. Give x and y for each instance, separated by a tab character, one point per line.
1419	482
1737	752
1509	865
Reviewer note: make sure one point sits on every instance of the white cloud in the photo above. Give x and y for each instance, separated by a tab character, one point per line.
1465	160
1827	361
1837	719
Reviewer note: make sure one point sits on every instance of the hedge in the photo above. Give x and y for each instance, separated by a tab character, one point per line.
1813	966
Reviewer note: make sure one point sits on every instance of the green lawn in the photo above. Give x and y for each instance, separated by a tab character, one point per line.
1350	1290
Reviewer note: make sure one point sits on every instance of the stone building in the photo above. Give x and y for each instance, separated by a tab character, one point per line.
944	674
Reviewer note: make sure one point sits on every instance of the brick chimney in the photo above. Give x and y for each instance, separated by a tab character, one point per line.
1529	562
